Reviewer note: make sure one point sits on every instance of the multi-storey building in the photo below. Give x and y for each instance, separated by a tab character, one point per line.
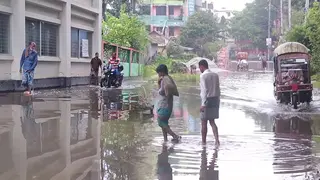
67	34
170	14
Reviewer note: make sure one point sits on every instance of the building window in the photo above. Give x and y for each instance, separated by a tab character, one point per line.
161	10
171	10
81	43
44	34
171	31
4	33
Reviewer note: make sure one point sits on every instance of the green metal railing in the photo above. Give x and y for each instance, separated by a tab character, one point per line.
131	59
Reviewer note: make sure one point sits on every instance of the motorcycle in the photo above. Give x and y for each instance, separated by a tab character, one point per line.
110	78
243	65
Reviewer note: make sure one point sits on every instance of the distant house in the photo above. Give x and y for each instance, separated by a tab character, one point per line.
157	45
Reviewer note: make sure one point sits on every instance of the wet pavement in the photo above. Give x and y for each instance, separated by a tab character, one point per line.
93	134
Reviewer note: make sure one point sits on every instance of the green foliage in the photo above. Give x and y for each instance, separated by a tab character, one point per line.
299	34
150	70
115	7
300	4
252	22
210	49
178	77
201	28
174	49
309	35
126	30
297	18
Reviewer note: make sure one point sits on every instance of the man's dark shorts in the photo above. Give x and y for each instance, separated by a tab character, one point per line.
211	111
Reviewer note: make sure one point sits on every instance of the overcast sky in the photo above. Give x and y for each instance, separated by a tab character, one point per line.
230	4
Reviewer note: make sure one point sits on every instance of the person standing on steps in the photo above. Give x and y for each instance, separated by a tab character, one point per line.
167	89
210	100
28	63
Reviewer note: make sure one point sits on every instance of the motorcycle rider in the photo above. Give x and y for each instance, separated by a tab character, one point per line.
114	62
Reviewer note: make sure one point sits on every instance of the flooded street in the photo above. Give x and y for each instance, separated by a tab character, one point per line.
93	134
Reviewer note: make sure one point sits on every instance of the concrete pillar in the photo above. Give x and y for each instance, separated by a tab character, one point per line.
97	37
17	35
65	38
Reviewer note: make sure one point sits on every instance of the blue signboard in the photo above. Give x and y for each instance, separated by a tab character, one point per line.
191	7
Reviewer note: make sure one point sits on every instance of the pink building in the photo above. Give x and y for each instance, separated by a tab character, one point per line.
165	16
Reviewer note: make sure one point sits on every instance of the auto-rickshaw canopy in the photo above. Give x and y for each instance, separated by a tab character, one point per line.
291	47
242	55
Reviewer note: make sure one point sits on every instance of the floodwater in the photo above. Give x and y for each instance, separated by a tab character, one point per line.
85	133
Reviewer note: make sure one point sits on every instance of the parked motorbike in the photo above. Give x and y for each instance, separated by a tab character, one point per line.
110	78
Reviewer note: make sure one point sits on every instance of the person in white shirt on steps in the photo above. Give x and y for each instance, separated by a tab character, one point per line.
210	100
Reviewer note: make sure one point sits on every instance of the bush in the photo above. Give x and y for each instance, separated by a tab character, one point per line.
150	70
186	77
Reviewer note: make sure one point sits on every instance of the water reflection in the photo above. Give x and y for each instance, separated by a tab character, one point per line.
49	138
122	104
293	144
208	171
292	124
164	170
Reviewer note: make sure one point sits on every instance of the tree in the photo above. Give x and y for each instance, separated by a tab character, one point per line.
173	48
114	6
201	28
127	30
210	49
251	24
300	4
309	35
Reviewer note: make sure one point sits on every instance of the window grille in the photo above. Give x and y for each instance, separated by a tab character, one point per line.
49	36
4	33
44	34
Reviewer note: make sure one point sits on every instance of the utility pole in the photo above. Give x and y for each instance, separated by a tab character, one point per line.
281	17
289	13
306	10
269	29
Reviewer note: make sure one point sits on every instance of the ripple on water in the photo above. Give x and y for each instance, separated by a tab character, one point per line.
287	158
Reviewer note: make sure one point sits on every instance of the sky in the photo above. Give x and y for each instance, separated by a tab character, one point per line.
230	4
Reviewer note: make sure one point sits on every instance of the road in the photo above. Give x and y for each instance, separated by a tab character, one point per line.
92	134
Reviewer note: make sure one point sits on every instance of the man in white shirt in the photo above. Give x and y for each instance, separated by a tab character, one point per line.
210	100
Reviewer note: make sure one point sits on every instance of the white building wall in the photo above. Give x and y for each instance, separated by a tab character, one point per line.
85	15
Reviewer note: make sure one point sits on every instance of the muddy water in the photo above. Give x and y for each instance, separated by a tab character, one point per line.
86	133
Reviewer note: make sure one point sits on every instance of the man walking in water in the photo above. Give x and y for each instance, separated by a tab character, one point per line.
210	101
165	104
28	63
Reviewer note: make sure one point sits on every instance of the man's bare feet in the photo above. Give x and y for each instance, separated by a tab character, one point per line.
217	143
176	139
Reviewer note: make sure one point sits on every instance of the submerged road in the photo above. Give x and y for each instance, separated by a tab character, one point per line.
93	134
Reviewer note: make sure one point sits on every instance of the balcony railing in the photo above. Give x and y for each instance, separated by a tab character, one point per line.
164	2
162	20
173	17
